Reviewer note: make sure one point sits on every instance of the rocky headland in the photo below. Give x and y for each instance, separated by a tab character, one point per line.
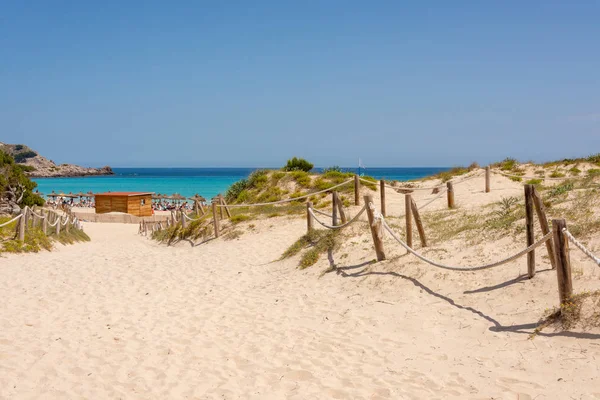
38	166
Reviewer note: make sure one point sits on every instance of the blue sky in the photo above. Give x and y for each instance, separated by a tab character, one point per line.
243	83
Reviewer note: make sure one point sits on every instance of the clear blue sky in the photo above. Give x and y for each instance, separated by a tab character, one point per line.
252	83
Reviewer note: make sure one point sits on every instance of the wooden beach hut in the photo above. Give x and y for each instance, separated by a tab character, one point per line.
134	203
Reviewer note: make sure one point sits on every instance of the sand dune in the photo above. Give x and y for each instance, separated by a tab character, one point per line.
125	317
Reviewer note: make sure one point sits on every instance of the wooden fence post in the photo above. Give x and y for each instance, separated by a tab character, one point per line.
356	191
382	196
377	240
541	213
183	221
172	217
218	200
487	179
222	200
530	233
408	217
67	224
563	263
334	218
58	218
215	219
415	212
45	222
340	207
450	194
22	225
309	219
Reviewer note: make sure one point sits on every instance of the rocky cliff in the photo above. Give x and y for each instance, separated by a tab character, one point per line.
38	166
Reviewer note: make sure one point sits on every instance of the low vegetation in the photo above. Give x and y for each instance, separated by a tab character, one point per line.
35	240
312	245
582	310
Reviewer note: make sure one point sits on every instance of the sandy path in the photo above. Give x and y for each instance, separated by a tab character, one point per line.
123	317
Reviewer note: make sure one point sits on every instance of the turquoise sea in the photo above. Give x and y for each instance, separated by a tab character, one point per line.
207	182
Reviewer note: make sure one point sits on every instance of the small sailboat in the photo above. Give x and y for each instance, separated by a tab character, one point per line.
360	166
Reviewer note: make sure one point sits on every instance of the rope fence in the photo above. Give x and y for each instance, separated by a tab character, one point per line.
581	247
28	218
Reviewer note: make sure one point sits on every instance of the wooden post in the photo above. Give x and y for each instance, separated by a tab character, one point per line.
67	224
382	196
377	240
58	224
196	208
340	207
222	199
415	212
309	219
408	217
450	194
183	221
356	191
530	233
172	217
541	214
22	224
220	208
215	219
563	263
487	179
45	223
334	218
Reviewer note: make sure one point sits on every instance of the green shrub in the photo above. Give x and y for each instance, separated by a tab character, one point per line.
557	174
575	171
233	192
534	182
24	155
13	175
273	193
593	172
236	219
516	179
335	168
298	164
302	178
258	179
561	189
508	164
594	159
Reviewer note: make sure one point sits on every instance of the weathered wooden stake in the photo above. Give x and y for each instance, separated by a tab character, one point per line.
183	220
334	218
408	217
356	191
415	212
541	214
309	219
58	224
382	196
340	207
145	228
563	263
530	232
220	208
215	219
172	217
222	199
450	194
67	224
487	179
22	224
45	223
377	240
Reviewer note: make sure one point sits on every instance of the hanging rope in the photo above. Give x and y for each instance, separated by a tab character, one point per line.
287	200
322	213
310	210
543	240
12	220
190	219
530	177
37	215
581	247
457	182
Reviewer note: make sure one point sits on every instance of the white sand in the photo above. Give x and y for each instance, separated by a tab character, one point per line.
125	317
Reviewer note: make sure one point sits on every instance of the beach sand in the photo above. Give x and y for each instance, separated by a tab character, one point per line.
125	317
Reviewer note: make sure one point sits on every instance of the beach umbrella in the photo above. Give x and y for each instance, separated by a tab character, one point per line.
71	195
177	197
52	194
197	197
81	194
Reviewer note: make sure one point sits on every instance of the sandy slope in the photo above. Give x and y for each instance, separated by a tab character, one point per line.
124	317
